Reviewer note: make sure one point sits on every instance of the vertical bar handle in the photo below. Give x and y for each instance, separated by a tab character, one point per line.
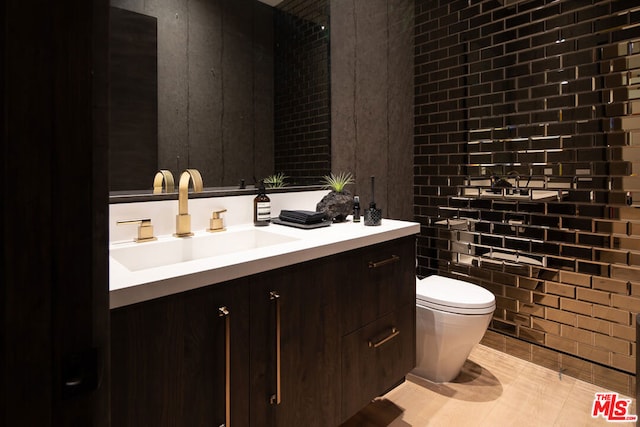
277	397
224	312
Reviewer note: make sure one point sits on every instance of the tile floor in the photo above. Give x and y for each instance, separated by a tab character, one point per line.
494	389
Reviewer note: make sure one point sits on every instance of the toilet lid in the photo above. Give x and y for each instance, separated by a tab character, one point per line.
453	295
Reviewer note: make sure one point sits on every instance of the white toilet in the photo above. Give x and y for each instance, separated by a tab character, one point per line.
451	318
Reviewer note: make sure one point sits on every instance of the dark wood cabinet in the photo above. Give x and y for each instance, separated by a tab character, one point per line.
294	342
376	358
305	345
378	322
382	278
216	355
146	348
181	359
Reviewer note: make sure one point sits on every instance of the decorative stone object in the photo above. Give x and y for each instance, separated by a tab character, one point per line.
336	205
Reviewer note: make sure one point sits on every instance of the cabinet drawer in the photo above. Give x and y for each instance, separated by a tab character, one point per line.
381	280
377	357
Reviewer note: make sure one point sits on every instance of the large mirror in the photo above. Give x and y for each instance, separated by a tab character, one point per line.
238	89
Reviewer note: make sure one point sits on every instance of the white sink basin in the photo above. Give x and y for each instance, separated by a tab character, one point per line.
141	256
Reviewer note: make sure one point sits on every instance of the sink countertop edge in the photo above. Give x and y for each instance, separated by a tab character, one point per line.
312	244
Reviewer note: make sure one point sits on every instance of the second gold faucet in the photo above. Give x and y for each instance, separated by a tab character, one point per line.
183	219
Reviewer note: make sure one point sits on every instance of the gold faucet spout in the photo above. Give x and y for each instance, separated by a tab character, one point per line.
164	178
183	219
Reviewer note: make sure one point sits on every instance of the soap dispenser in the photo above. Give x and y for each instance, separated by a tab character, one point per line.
261	207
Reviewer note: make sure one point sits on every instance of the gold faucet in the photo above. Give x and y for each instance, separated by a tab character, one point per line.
183	219
165	177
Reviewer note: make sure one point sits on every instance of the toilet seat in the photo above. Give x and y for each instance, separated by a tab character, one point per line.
453	296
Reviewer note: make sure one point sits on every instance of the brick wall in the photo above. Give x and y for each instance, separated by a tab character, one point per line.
302	105
540	94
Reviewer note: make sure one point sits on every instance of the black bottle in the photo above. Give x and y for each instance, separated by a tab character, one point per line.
261	207
356	209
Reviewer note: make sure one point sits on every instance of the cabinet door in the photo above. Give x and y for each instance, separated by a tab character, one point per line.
295	371
181	360
146	353
377	357
216	355
382	278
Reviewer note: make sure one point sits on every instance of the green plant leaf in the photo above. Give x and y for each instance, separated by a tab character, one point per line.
276	180
337	182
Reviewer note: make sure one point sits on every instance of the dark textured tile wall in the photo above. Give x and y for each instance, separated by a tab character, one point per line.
541	94
302	110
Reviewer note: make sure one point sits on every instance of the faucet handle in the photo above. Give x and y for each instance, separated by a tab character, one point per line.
145	229
215	223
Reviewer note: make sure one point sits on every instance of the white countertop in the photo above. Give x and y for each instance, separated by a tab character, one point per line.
130	287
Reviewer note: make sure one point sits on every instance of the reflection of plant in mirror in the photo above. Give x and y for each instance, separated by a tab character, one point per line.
275	181
498	181
337	182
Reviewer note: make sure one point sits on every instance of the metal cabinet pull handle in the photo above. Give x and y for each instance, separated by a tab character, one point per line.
73	382
394	333
224	312
277	398
394	258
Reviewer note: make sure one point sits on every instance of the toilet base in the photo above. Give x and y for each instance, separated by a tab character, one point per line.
444	342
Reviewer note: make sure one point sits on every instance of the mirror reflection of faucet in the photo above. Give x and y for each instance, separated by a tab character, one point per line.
163	179
183	219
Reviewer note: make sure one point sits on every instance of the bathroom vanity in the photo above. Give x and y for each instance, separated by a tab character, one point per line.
303	330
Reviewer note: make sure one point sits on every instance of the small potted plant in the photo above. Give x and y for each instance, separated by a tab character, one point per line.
338	203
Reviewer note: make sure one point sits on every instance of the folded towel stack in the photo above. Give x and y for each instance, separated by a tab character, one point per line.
302	217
